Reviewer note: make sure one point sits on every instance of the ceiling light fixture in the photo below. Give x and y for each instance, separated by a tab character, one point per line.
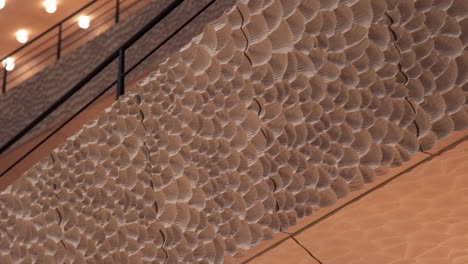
8	64
22	36
83	22
2	3
50	6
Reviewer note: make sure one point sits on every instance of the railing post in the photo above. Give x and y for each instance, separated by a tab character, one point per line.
59	43
4	81
117	11
121	74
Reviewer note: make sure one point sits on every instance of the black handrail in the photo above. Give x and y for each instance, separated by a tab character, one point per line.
97	22
59	45
117	11
121	73
91	12
50	29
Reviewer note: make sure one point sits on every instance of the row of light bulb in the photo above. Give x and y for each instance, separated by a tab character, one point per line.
50	6
22	35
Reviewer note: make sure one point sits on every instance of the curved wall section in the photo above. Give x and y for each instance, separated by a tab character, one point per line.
276	108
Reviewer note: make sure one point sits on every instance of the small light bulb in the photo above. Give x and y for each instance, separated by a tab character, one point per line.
2	3
9	64
83	22
50	6
22	36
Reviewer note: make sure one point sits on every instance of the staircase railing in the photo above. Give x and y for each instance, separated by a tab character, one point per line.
64	37
119	54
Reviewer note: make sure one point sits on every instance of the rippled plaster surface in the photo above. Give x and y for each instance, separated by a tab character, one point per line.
278	107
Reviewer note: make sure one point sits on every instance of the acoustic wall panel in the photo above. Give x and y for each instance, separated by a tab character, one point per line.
276	108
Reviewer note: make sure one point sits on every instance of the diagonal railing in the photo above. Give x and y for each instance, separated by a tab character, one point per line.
63	37
119	54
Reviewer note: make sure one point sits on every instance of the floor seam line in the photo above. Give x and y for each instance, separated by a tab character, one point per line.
303	247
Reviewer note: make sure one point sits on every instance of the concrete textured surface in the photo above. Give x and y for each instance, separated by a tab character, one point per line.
276	109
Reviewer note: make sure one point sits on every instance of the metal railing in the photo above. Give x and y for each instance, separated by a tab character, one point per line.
64	37
118	54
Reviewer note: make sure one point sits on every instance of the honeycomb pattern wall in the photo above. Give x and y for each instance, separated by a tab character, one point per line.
278	107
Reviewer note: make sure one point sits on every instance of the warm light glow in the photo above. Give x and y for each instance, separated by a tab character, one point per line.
22	36
50	6
9	64
2	3
83	22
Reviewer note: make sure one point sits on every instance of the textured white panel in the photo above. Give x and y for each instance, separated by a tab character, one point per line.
277	108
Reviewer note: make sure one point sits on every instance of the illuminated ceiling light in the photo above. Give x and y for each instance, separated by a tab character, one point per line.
2	3
83	22
8	64
22	36
50	6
